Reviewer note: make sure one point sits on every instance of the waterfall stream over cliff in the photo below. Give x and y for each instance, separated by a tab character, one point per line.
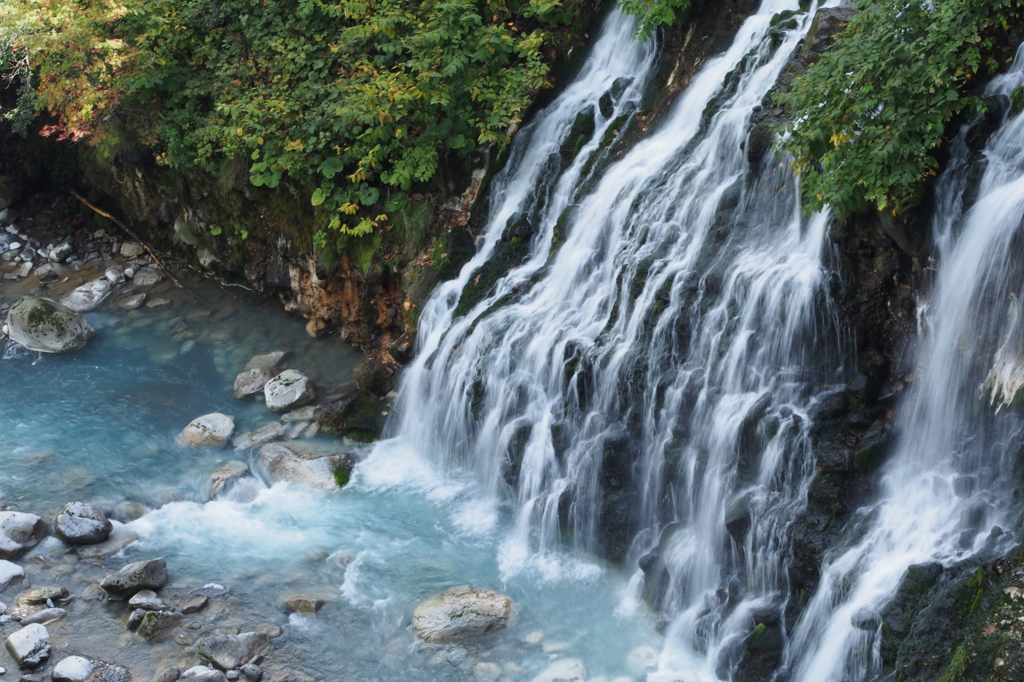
650	376
946	492
621	413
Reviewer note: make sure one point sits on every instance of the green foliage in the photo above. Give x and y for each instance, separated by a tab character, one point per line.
342	475
654	13
338	100
867	116
958	666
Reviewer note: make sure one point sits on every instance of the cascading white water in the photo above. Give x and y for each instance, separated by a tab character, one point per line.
944	488
662	358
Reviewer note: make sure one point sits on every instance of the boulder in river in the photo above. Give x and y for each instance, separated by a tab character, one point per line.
359	415
460	612
222	478
20	532
45	326
156	622
150	574
374	376
288	390
34	596
81	524
10	575
299	463
29	646
251	381
213	430
88	297
229	652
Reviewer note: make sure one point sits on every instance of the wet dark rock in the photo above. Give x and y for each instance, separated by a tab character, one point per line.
873	448
141	575
81	524
195	604
154	623
866	619
373	376
229	652
356	416
251	672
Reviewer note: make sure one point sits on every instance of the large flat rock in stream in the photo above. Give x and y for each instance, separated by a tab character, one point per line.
306	462
461	612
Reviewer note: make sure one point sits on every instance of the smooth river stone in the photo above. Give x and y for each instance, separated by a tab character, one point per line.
460	612
29	646
288	390
10	575
20	532
150	574
225	476
45	326
81	524
251	382
266	360
261	436
229	652
213	430
88	297
73	669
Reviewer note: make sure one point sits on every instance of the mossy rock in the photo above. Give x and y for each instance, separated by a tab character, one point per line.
358	415
46	326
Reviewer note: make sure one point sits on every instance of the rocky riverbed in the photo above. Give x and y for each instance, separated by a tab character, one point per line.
199	438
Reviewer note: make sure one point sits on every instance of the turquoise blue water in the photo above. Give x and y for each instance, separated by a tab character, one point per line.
99	425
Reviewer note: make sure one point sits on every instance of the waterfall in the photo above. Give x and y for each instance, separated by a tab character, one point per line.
946	486
641	380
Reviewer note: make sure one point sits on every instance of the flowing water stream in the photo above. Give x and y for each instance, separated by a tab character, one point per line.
947	487
639	380
680	324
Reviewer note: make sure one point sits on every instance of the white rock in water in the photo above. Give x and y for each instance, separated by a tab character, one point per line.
212	430
81	524
147	277
88	297
10	575
59	253
129	272
158	303
564	670
73	669
29	646
132	249
251	381
462	611
288	390
114	275
19	532
43	325
303	414
297	464
131	302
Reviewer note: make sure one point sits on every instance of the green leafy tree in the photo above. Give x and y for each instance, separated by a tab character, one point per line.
343	100
654	13
867	117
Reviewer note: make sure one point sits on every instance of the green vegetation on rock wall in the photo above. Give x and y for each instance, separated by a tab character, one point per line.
344	103
868	116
